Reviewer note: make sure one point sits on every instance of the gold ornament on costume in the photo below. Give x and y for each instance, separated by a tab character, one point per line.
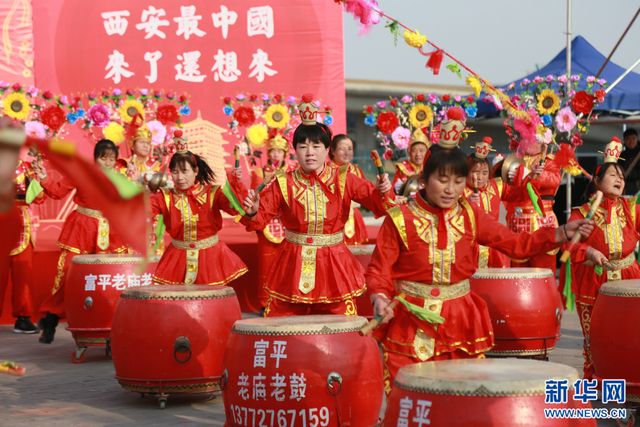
420	116
278	142
418	137
143	132
180	142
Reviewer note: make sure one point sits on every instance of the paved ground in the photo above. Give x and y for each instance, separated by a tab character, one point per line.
57	392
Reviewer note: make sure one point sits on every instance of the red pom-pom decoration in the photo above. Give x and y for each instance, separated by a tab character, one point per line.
455	113
177	133
307	97
486	139
616	139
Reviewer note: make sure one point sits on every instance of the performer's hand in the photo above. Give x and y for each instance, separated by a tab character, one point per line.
381	307
251	205
401	200
538	170
597	258
475	198
583	226
237	172
40	171
382	184
132	171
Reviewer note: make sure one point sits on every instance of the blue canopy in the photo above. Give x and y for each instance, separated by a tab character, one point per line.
586	60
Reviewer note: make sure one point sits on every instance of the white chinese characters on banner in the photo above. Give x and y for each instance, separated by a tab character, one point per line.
188	22
115	22
190	64
259	66
116	67
152	58
224	19
151	22
260	21
226	67
118	281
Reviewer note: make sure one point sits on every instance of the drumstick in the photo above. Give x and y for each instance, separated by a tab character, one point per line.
475	184
376	160
237	153
373	323
258	190
576	237
544	157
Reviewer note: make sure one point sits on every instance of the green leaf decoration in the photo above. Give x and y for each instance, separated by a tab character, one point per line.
455	68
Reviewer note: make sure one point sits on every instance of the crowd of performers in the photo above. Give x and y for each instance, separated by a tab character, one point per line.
433	238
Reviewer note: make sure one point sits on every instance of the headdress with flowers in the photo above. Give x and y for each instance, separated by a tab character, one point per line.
259	120
127	115
399	123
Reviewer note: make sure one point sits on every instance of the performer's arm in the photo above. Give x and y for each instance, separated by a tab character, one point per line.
579	252
378	275
550	178
157	204
362	191
238	188
397	181
257	176
270	201
57	189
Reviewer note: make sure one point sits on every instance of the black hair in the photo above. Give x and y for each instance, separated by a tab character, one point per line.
205	175
599	173
336	139
316	133
445	161
630	132
103	147
473	160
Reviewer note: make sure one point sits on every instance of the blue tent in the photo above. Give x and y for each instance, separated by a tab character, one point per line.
586	60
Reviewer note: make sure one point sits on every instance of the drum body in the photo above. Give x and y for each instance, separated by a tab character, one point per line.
171	338
614	337
93	285
363	253
302	370
525	309
480	392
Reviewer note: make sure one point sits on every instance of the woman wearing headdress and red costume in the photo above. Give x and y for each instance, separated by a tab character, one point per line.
425	251
341	154
313	271
407	169
610	246
270	237
85	231
191	214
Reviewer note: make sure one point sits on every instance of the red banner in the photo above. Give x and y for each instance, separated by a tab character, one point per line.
16	55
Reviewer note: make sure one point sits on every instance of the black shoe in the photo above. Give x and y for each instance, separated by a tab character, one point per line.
262	311
24	326
49	328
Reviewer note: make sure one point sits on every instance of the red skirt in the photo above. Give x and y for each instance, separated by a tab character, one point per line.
80	235
585	283
467	327
217	265
359	230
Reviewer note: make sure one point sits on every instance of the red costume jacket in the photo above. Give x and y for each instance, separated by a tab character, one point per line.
616	237
22	176
355	230
193	220
407	259
315	266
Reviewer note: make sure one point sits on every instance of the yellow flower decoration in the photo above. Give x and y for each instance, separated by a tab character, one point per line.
414	39
420	115
129	109
548	102
257	135
277	116
114	132
17	106
475	84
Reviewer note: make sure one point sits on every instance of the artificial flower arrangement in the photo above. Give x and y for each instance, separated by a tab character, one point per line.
113	112
395	120
257	118
549	116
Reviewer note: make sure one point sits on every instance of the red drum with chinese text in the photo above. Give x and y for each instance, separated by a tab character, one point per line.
94	284
482	392
614	337
170	338
363	253
525	309
302	371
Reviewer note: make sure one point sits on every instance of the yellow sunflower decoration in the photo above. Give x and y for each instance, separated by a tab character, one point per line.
548	102
17	106
257	135
129	109
277	116
114	132
420	115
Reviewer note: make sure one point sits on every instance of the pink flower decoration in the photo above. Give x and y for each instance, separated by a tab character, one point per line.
265	97
33	91
527	130
144	92
407	99
64	99
433	98
458	98
240	97
565	120
562	79
538	79
550	78
4	84
99	115
591	79
602	82
35	129
382	104
117	92
511	86
291	99
362	11
575	78
525	82
401	137
158	132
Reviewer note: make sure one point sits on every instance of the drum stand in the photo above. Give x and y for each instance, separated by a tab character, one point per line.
542	354
88	337
162	386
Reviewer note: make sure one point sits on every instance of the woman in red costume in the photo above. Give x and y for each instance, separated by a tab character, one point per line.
407	169
341	154
85	231
191	214
610	246
424	251
313	271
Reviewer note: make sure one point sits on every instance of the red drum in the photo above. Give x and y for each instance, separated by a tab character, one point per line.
480	392
94	284
614	337
170	338
525	309
302	371
363	253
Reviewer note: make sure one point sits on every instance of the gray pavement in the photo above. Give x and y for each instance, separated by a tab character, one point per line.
58	392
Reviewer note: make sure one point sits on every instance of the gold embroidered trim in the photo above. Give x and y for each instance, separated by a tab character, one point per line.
314	240
60	273
234	276
398	219
342	178
103	226
282	182
350	225
26	238
198	244
308	268
270	237
323	300
500	186
424	291
622	264
483	257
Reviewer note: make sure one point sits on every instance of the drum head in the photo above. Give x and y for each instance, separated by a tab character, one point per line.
361	249
112	259
621	288
300	325
178	292
483	377
512	273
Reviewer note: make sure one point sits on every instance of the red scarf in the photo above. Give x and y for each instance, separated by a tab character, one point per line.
442	237
191	196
